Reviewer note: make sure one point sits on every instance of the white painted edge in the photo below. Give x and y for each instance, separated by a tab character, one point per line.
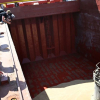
25	95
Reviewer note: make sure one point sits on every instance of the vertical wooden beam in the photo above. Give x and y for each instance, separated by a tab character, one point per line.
15	38
68	33
64	31
43	38
60	28
47	31
29	39
21	38
56	36
35	37
72	34
39	35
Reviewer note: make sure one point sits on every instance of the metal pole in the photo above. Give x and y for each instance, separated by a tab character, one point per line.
96	78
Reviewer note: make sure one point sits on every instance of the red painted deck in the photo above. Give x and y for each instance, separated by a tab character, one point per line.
43	74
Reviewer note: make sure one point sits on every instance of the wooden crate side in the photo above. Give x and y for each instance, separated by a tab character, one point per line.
60	29
35	37
29	39
56	35
43	38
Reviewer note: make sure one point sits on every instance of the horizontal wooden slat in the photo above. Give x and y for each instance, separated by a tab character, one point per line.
45	9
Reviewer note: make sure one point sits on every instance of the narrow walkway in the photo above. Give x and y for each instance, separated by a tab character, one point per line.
9	64
41	75
7	67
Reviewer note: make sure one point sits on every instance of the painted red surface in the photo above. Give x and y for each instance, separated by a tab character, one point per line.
45	9
52	36
10	5
44	74
88	30
56	35
44	37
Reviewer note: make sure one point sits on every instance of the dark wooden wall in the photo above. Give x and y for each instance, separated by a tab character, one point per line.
44	37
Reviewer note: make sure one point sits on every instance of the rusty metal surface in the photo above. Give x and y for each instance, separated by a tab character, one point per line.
45	9
88	31
89	7
44	37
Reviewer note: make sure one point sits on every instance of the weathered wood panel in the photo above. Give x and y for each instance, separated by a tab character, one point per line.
15	38
21	38
44	37
35	37
29	39
56	35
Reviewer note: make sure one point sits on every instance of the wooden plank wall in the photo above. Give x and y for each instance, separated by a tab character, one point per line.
44	37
